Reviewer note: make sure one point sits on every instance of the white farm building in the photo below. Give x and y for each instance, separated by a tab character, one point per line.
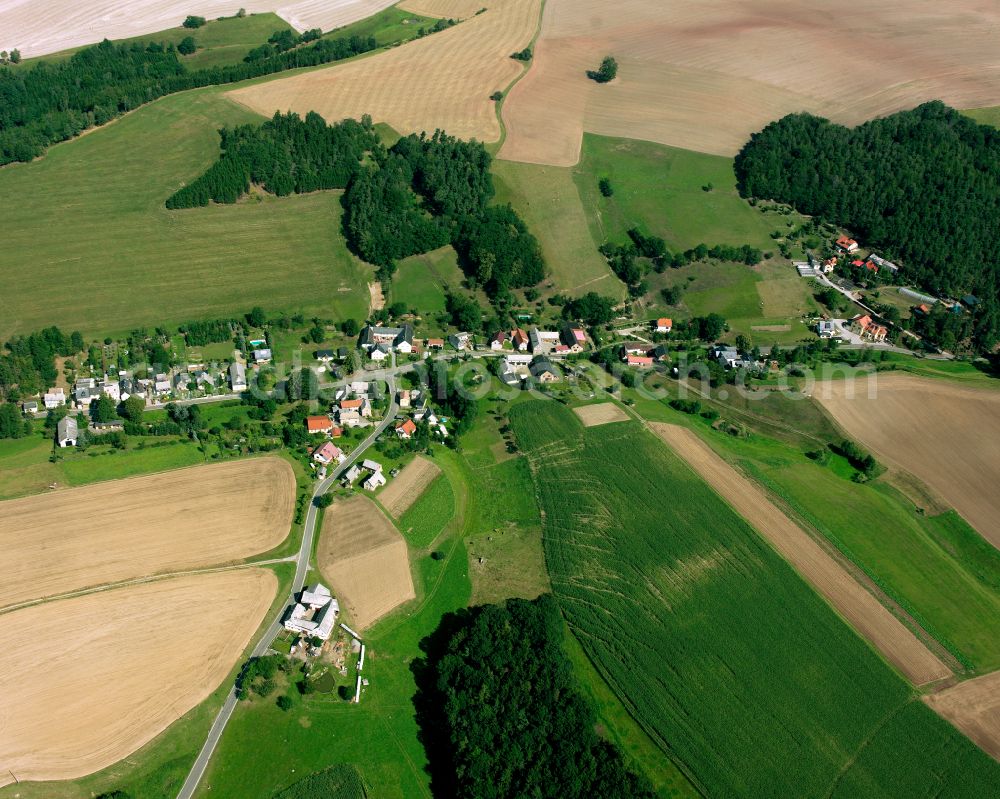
315	614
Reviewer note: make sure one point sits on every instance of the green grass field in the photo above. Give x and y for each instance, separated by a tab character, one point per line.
424	520
547	199
420	280
722	653
121	260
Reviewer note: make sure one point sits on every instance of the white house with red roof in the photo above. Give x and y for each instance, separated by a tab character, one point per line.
664	325
328	453
406	429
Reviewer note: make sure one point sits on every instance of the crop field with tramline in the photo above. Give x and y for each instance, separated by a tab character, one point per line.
726	658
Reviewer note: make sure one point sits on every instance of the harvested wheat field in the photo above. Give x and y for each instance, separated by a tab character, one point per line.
943	433
123	529
38	27
706	75
862	610
601	413
365	560
111	670
406	488
974	707
441	81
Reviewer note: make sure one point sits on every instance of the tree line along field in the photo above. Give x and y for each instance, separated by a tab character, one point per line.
737	670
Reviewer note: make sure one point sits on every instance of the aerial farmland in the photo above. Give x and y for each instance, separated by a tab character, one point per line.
499	398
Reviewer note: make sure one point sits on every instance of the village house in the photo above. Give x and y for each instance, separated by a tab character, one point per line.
640	361
403	398
846	244
67	432
461	341
883	263
406	429
635	348
110	387
325	356
54	398
237	377
262	356
826	329
388	339
663	325
351	475
161	384
868	328
181	382
543	372
359	405
542	341
100	428
29	407
519	340
435	343
378	353
827	266
498	339
328	453
315	614
660	353
375	480
319	424
727	356
573	338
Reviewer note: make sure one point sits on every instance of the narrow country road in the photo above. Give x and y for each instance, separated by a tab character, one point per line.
301	569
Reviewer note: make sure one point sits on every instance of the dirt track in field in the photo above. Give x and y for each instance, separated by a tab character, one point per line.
601	413
123	529
441	81
706	75
365	560
406	488
38	27
943	433
861	610
974	707
89	680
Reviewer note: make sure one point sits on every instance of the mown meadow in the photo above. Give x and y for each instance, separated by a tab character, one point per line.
725	657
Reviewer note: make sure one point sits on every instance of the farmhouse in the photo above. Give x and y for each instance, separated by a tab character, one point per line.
498	339
351	475
641	361
315	614
635	348
325	356
846	244
375	479
328	453
727	356
435	343
399	339
663	325
405	430
573	338
107	427
826	329
54	398
161	384
67	433
461	341
542	341
29	408
237	377
370	465
319	424
543	372
519	339
262	356
85	392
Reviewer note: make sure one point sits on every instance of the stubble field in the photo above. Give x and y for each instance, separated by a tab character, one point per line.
406	488
365	560
89	680
974	707
441	81
64	541
600	413
704	76
942	432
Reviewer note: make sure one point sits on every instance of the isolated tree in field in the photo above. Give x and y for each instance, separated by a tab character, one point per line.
605	187
743	343
284	702
323	501
607	72
349	327
186	46
133	408
15	56
193	22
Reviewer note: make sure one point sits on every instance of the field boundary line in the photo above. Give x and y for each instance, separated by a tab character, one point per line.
864	745
150	578
498	109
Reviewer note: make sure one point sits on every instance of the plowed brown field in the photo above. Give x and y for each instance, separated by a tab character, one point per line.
943	433
87	681
365	560
123	529
885	632
407	487
706	75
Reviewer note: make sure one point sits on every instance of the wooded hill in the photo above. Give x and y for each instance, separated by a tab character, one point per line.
922	185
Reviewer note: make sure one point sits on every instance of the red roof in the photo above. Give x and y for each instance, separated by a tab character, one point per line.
664	322
640	360
435	342
327	452
318	424
579	335
519	337
351	404
407	427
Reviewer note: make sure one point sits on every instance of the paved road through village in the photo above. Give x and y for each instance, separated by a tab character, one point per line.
301	569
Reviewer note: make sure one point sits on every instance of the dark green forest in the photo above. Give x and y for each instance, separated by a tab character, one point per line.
501	716
422	193
54	101
923	186
28	363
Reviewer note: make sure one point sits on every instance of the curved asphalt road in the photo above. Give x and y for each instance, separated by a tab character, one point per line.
301	568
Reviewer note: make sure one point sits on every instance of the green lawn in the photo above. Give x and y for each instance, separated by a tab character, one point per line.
726	658
420	281
424	520
548	201
121	260
985	116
